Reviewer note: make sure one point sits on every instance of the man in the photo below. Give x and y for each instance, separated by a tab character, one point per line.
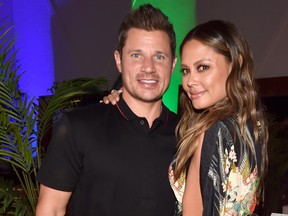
112	160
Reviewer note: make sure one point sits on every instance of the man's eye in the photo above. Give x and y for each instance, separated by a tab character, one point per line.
159	57
203	67
185	70
136	55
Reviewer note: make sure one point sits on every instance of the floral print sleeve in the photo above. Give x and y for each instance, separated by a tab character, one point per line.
178	187
229	175
233	172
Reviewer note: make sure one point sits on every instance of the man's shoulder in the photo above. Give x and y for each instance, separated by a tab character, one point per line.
172	116
88	112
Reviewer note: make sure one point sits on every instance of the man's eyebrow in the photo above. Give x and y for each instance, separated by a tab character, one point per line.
134	50
163	53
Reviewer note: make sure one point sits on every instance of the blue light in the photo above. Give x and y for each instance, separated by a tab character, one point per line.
31	21
33	41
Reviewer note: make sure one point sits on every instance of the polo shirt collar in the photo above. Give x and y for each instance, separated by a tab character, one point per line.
128	114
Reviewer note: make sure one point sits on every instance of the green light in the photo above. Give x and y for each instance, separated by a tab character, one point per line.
133	3
182	15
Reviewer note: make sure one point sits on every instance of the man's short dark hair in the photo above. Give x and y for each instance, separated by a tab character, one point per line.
148	18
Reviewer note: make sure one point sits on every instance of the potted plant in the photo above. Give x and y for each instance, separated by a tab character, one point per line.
24	124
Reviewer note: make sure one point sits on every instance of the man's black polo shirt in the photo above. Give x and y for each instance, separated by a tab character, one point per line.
111	160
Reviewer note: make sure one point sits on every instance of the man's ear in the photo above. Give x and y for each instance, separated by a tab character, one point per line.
117	58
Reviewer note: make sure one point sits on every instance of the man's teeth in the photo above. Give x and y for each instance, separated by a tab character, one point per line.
149	81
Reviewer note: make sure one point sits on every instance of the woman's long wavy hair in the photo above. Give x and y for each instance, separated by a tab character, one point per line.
241	100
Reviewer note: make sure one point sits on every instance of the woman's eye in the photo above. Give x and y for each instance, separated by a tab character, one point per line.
185	70
203	67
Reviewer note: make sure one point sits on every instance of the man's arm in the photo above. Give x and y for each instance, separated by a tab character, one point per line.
52	202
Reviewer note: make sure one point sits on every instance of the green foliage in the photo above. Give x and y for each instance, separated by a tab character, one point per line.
66	95
23	124
13	199
17	123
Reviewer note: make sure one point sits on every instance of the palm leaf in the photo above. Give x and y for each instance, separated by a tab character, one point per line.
23	123
17	123
6	197
66	95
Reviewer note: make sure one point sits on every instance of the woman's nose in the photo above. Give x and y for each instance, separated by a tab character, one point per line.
192	80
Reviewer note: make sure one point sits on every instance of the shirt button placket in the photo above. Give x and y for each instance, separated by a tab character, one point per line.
142	122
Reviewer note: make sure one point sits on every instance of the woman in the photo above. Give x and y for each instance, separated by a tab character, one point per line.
222	132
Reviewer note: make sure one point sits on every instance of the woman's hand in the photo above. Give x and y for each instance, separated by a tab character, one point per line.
112	98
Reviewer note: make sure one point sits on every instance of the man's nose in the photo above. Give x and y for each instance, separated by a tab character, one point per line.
148	65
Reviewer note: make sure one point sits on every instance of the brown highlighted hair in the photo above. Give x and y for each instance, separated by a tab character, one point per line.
241	101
